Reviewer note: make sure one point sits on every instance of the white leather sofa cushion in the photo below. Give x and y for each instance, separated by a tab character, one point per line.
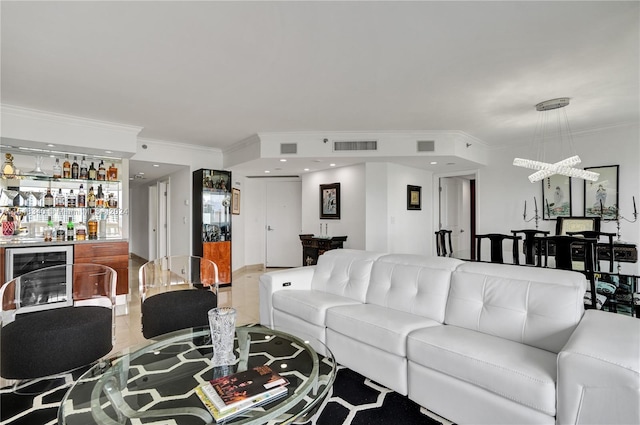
344	272
380	327
518	372
310	306
412	283
599	371
534	306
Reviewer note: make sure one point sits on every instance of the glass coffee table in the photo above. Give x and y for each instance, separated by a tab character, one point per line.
156	383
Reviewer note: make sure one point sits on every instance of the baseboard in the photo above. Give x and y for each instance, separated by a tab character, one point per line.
250	268
137	257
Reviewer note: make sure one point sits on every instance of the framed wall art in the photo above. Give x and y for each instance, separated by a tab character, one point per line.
414	197
330	201
235	201
556	197
601	196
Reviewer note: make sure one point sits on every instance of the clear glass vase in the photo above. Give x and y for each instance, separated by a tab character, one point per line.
222	322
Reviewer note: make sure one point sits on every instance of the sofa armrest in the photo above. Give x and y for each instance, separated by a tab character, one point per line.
599	371
298	278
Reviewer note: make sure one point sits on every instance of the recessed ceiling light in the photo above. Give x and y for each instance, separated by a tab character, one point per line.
51	145
108	152
332	165
267	171
433	162
141	173
306	169
283	160
156	165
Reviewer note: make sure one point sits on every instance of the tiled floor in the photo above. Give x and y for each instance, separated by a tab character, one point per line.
242	295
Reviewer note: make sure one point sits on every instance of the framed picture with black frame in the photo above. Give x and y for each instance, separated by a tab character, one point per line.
414	197
330	201
556	197
601	196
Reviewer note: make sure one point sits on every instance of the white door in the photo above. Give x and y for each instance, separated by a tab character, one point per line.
153	222
283	224
455	212
449	209
163	218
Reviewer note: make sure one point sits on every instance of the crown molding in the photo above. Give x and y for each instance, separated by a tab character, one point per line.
58	118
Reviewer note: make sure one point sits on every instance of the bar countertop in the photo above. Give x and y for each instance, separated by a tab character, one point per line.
24	242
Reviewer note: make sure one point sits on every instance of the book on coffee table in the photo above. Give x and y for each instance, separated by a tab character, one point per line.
231	395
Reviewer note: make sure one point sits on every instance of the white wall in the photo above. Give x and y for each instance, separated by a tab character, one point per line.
352	221
374	212
410	231
139	221
180	207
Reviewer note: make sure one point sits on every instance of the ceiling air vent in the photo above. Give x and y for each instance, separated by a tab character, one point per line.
426	146
356	145
288	148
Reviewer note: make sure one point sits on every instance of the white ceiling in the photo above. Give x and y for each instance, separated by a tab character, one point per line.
213	73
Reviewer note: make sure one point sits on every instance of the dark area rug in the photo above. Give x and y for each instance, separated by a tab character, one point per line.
354	400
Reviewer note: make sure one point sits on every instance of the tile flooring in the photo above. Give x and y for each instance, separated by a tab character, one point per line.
242	295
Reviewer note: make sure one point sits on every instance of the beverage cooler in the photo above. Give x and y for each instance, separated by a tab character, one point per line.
52	291
212	219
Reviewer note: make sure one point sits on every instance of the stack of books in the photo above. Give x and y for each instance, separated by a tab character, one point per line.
231	395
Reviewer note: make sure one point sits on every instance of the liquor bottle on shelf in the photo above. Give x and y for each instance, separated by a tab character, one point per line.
66	167
49	231
84	170
102	172
102	225
92	225
100	197
57	169
61	232
113	172
71	199
61	201
81	232
48	199
93	173
70	229
82	197
91	198
75	168
112	201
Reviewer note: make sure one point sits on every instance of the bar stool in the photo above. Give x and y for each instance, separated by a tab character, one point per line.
496	240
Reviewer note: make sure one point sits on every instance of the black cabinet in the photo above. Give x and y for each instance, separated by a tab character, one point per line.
313	247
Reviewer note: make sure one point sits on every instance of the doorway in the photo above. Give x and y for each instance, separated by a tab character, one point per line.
158	219
457	211
283	223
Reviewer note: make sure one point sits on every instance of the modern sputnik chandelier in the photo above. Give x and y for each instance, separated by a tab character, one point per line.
564	167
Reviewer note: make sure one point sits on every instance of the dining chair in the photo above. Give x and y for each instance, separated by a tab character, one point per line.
496	251
176	292
565	249
443	240
607	254
529	243
56	319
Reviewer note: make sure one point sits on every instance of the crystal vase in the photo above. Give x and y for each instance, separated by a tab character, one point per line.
222	322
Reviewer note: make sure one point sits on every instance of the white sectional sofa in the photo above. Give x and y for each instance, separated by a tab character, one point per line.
472	342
